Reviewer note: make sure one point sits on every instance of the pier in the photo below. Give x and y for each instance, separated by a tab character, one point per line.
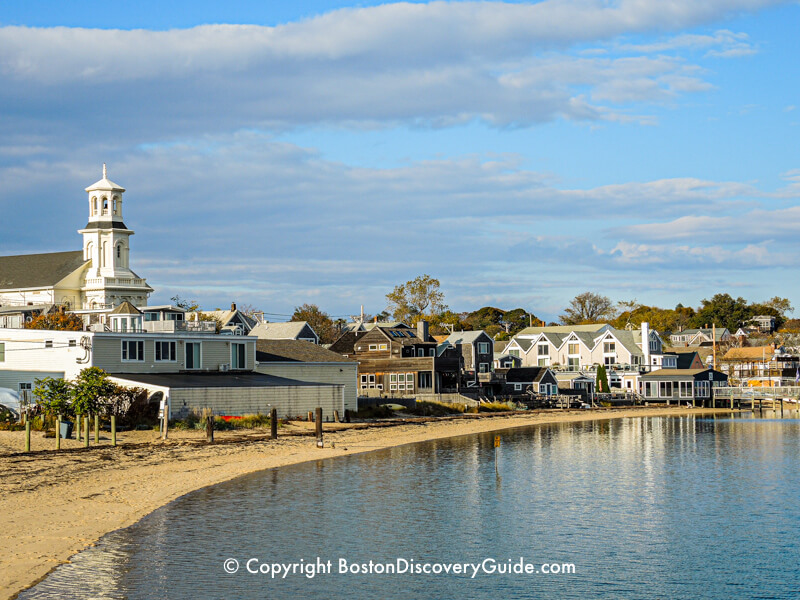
758	398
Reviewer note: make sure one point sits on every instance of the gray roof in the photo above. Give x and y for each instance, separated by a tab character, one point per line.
465	337
564	329
38	270
295	351
212	380
279	331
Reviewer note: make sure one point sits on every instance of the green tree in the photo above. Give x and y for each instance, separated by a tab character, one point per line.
588	308
723	311
320	322
601	381
91	390
517	319
416	299
55	395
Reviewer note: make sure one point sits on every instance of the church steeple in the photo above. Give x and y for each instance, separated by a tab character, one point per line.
106	242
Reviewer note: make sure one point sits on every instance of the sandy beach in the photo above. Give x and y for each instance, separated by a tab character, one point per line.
55	504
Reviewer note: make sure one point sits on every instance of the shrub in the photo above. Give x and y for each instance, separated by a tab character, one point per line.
494	407
437	409
375	412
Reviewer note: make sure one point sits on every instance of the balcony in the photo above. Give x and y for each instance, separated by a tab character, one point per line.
187	326
114	282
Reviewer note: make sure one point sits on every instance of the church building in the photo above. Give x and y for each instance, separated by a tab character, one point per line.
94	279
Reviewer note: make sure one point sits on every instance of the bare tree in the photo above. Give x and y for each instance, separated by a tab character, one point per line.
588	308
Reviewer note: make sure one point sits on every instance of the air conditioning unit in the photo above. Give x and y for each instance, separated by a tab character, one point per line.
224	368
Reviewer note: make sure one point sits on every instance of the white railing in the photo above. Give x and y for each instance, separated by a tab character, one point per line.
757	392
173	326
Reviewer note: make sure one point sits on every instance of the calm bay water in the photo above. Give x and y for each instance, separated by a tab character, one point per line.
644	508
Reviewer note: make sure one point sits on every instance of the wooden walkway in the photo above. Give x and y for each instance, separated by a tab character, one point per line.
758	398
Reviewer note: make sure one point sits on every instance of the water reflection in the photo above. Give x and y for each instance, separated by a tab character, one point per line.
661	507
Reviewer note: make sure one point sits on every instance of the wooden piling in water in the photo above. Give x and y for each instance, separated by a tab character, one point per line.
273	423
113	430
318	426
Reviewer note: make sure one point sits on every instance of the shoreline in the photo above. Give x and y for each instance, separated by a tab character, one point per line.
54	505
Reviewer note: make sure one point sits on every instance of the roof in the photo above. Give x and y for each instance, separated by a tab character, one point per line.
225	316
346	342
684	360
279	331
163	308
466	337
38	270
212	380
678	373
753	353
592	328
105	184
126	308
523	343
369	326
295	351
525	374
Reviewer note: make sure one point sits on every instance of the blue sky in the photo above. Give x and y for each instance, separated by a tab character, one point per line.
283	153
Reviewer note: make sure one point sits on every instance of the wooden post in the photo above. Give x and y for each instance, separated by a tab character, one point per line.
27	435
58	433
96	428
310	416
346	415
336	416
210	429
113	430
273	423
78	419
86	431
318	424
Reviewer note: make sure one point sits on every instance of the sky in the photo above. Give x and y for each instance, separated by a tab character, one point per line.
276	153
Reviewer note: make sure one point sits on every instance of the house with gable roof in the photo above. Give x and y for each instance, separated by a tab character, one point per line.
293	330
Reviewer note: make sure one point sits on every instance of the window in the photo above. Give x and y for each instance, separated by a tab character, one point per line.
650	389
105	205
483	367
686	390
542	350
72	343
517	387
48	343
165	351
574	362
383	347
373	347
609	360
238	352
420	351
543	361
665	389
572	349
514	353
433	351
609	348
703	389
94	206
133	350
119	251
393	381
2	352
151	316
193	355
363	381
409	381
483	348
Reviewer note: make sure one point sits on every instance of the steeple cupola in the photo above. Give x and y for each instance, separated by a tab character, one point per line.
105	201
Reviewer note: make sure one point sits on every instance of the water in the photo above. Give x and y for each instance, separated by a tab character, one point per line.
644	508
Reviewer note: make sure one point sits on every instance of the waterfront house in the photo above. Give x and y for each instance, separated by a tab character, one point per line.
760	366
528	381
397	361
476	350
705	336
305	361
681	386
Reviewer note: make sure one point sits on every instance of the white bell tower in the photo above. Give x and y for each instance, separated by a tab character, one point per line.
106	242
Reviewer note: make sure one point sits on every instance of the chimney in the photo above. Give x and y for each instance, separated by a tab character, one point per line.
422	330
646	343
233	306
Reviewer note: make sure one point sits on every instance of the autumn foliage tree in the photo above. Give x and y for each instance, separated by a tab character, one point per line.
56	321
319	321
588	308
416	299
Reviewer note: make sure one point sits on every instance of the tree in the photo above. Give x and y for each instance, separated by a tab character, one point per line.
723	311
410	301
56	321
588	308
601	382
55	396
119	399
319	321
518	319
91	390
781	305
187	305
